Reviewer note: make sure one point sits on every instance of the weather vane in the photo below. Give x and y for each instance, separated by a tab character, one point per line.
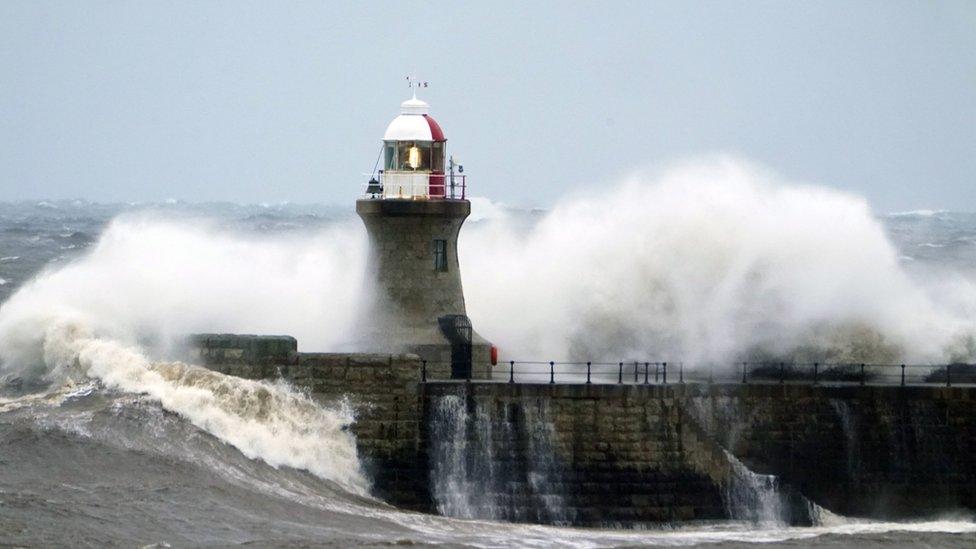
413	83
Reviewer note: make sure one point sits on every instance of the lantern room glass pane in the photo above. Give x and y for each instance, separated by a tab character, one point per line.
437	157
389	155
413	156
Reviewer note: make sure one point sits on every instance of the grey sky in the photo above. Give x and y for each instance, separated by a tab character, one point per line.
273	101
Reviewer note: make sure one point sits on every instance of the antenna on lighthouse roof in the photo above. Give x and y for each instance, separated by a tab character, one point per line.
413	83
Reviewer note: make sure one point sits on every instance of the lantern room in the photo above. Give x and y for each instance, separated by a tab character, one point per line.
414	159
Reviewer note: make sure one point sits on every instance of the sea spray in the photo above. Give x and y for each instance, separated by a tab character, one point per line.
151	281
713	261
264	420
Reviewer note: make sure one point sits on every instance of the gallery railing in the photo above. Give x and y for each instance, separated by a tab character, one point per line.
637	372
416	186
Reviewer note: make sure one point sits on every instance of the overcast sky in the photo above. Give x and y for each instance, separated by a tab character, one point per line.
276	101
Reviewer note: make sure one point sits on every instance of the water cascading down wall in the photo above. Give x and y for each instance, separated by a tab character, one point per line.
598	455
618	454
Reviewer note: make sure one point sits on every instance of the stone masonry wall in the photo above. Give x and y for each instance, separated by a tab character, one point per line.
401	261
408	294
381	388
591	455
875	451
625	454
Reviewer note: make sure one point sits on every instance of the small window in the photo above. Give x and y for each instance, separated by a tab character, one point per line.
440	255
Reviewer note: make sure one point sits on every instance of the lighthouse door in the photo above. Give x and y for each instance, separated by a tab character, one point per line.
457	330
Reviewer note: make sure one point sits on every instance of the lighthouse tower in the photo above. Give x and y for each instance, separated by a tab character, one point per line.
413	209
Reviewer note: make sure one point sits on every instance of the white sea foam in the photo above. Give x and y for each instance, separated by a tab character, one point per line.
917	213
147	280
708	261
713	261
704	262
263	420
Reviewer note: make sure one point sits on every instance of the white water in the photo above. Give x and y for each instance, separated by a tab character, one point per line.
754	497
705	262
469	456
714	261
148	280
267	421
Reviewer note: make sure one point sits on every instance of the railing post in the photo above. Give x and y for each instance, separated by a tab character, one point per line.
816	372
587	373
511	371
664	374
862	373
948	375
745	378
552	372
620	373
782	373
647	370
635	372
423	371
902	375
681	372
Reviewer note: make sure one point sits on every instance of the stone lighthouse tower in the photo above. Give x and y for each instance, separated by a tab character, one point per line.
413	209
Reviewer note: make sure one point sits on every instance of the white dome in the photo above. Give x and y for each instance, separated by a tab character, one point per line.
408	127
413	124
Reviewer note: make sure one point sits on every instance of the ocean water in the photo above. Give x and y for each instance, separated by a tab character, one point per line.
105	441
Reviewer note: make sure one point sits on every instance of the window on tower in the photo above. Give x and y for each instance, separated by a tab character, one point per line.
440	255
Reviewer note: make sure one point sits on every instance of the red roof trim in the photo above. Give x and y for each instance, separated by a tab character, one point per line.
436	134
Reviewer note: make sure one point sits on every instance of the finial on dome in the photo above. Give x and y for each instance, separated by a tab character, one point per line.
414	105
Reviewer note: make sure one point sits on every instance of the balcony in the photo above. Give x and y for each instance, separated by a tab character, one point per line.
416	186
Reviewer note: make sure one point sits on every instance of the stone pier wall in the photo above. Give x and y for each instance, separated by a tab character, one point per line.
382	389
875	451
626	454
645	453
598	455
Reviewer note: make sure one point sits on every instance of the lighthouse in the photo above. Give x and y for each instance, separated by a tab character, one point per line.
413	209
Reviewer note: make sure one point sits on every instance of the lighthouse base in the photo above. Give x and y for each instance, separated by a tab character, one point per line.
441	363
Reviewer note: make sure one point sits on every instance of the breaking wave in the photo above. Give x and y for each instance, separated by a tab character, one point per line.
264	420
713	261
716	261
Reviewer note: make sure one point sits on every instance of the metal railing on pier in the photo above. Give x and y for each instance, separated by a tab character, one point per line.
636	372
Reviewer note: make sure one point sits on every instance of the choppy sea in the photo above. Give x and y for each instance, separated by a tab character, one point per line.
108	461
